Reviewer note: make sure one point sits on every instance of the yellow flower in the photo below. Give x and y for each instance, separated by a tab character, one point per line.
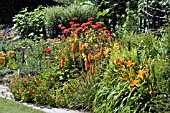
41	35
116	46
106	52
56	57
90	39
77	54
95	45
84	56
86	45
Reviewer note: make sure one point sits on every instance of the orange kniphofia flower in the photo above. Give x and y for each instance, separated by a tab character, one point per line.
134	83
89	57
62	63
80	45
73	47
87	65
92	68
101	51
141	73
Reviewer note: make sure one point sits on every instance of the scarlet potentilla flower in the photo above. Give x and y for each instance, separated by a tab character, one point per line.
94	26
73	47
80	29
62	63
75	18
34	95
62	37
86	27
83	24
47	50
72	34
104	35
90	19
80	45
75	25
63	27
60	25
89	57
71	23
66	30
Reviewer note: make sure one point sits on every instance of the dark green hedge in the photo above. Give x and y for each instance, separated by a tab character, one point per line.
9	8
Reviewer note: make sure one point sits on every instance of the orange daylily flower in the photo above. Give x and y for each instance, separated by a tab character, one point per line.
129	63
134	83
141	73
116	60
121	60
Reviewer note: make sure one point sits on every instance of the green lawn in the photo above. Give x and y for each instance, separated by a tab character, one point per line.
8	106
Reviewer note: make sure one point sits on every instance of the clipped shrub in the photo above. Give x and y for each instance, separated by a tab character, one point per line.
63	15
27	23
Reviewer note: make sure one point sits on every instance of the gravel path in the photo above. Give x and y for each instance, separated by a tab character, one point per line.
5	94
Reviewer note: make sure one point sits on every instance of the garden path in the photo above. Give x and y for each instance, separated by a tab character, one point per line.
5	94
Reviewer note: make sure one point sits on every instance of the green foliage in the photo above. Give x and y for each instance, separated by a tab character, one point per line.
27	22
120	94
62	15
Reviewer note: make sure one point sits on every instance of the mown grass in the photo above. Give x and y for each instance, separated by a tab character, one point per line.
8	106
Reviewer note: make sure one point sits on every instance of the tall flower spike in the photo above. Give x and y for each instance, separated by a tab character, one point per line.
73	47
80	45
62	63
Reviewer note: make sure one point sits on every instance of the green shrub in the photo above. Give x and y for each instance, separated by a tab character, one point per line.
63	15
27	23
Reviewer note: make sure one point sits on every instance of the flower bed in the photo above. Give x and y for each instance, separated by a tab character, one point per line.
90	68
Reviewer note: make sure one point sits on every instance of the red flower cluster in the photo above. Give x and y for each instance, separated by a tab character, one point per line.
75	18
